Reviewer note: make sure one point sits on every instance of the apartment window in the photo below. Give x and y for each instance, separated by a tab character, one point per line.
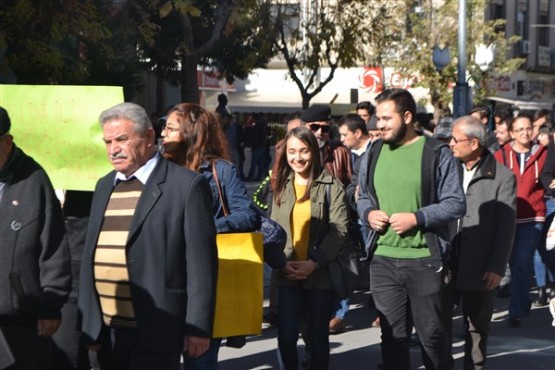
522	24
497	11
543	29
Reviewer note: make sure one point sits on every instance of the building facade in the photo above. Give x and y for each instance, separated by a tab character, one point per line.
533	85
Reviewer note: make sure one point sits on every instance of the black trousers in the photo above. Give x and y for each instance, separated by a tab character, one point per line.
31	352
477	310
410	291
120	349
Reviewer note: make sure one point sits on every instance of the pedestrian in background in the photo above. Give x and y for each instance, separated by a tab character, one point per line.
547	256
194	139
354	136
484	238
35	277
258	132
69	353
525	159
365	110
335	158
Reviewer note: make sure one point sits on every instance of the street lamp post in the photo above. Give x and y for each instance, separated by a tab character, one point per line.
484	57
461	103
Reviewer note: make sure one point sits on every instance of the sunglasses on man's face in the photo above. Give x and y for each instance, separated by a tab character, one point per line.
315	127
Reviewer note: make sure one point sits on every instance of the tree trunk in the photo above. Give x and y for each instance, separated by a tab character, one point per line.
189	80
160	93
306	99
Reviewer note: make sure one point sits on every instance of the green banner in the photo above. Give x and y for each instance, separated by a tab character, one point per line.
58	127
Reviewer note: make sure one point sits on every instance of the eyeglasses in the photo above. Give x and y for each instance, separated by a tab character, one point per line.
315	127
171	130
523	129
458	140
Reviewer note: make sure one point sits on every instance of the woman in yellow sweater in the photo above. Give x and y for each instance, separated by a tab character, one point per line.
316	227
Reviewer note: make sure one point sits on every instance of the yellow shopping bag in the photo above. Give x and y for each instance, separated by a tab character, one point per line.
239	296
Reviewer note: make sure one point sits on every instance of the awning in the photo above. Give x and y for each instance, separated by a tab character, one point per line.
524	104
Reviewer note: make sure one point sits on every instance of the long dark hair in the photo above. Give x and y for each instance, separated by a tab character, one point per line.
204	139
284	171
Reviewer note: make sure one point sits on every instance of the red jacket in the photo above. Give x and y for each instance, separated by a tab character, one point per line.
530	204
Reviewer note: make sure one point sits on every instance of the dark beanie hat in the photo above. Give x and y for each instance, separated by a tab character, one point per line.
316	113
5	123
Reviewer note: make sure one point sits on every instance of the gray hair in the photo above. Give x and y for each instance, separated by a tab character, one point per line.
473	128
131	111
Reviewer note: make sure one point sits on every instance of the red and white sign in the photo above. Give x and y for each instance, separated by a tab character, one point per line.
371	80
210	80
398	80
500	83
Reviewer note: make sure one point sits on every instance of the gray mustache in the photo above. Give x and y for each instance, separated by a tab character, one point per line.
118	156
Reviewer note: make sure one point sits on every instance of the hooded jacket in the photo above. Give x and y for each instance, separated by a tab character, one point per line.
530	204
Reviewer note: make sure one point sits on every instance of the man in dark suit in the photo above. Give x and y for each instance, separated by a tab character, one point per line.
148	277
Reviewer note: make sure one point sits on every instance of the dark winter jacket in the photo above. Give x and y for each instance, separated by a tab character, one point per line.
35	275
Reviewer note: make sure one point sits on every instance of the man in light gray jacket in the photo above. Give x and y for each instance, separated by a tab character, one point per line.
484	236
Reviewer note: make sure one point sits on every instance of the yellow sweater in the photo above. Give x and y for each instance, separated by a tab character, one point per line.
300	224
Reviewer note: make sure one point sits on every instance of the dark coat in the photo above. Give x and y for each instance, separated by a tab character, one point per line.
171	258
486	232
35	277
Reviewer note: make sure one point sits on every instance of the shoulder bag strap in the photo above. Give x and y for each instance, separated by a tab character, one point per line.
220	193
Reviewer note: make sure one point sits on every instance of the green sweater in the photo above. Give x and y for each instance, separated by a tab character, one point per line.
397	181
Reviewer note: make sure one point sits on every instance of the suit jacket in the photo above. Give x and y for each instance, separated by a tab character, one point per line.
486	232
171	258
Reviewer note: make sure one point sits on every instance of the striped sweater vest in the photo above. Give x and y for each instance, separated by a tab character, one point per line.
110	260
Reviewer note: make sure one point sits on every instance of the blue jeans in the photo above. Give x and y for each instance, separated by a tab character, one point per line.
208	361
341	307
318	303
543	275
410	291
521	262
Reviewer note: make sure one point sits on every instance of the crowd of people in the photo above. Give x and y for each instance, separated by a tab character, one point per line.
444	216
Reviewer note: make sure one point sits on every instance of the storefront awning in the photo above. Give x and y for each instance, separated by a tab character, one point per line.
524	104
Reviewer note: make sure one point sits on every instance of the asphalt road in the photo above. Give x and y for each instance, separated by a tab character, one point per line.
529	347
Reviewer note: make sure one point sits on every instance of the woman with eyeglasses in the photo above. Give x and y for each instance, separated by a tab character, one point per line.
309	203
193	138
526	160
